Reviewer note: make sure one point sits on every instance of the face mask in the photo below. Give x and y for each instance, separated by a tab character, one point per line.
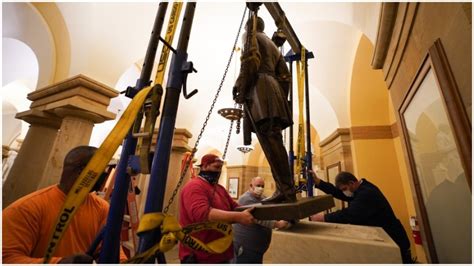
348	193
211	177
258	191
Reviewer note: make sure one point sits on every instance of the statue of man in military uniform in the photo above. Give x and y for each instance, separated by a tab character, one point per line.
263	86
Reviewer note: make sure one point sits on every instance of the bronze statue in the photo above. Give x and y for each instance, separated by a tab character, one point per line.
263	86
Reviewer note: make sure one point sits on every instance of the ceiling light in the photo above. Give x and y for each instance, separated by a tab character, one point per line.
245	148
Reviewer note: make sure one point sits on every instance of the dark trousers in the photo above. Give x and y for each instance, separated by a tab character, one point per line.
271	140
406	256
244	255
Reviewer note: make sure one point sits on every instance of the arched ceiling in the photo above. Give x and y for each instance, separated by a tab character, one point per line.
23	22
21	62
106	39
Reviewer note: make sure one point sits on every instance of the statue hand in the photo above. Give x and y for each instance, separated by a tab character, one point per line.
237	95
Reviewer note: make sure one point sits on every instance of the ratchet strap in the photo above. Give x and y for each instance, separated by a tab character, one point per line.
300	147
151	108
172	232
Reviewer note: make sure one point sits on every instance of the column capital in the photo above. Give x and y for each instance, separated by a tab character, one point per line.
81	94
181	138
37	117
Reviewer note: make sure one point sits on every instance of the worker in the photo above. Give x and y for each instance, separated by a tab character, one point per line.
204	200
252	241
27	222
367	206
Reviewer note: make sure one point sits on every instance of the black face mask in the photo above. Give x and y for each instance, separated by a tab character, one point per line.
211	177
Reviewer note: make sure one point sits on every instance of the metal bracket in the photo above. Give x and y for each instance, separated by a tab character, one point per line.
187	69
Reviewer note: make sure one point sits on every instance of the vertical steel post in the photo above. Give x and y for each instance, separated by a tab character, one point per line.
309	155
111	243
291	151
160	164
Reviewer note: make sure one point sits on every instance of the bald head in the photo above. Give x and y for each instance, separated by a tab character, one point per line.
256	186
74	162
257	181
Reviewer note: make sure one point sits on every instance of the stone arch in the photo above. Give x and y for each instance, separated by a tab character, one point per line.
330	71
60	35
23	22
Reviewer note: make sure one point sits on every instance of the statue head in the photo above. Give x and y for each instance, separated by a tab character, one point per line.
260	24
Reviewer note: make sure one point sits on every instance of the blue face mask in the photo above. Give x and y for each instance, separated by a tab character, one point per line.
211	177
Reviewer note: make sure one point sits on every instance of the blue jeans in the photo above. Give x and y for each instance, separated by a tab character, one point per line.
244	255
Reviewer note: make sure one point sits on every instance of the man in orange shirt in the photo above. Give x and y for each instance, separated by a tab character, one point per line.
28	221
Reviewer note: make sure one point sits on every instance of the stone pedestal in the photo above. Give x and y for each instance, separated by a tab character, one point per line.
61	117
315	242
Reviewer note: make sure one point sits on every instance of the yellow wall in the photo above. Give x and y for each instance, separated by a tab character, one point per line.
368	94
381	161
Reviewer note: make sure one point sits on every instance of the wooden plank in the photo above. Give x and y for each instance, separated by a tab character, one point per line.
291	211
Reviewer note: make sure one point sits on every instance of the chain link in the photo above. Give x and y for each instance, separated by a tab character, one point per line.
190	158
228	139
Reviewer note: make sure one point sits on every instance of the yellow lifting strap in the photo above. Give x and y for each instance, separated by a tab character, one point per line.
172	232
152	112
300	148
91	173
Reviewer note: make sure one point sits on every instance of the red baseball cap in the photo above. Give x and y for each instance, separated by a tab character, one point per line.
209	158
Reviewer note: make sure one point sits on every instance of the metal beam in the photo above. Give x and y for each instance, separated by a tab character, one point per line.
282	23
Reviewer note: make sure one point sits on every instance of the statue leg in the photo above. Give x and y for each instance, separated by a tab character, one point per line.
271	140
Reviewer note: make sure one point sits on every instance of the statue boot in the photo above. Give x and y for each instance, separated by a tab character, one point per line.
271	140
285	193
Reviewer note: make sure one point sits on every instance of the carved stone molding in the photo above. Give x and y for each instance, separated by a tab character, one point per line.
388	14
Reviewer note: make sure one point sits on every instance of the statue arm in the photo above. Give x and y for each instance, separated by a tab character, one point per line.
249	65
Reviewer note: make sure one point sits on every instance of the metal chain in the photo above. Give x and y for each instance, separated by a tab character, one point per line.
190	158
228	139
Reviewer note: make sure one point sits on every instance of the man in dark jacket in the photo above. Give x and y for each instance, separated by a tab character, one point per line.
367	206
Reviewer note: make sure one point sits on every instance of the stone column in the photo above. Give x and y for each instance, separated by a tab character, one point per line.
62	116
76	130
179	148
33	155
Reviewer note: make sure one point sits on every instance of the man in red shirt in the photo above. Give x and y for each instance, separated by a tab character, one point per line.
203	200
